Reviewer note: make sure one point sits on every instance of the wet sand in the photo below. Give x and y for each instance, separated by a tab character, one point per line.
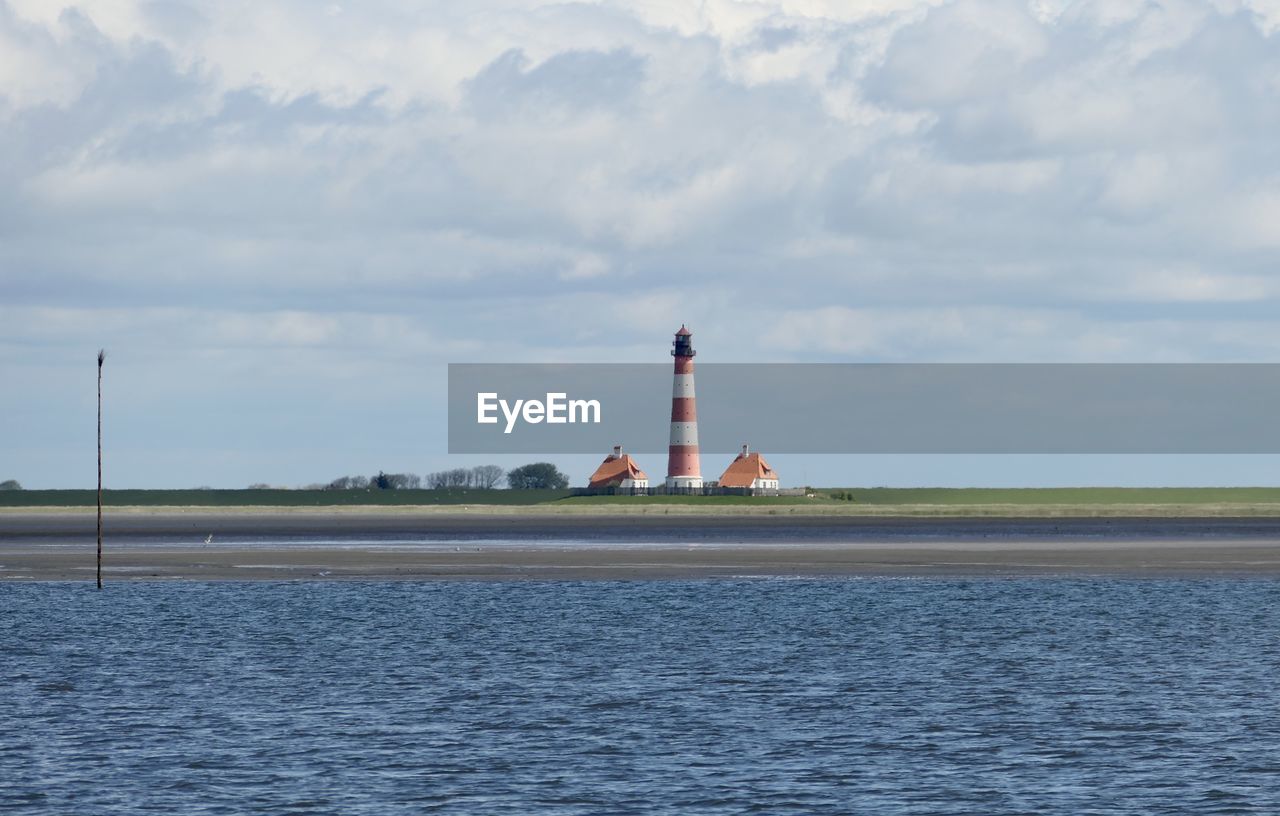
159	545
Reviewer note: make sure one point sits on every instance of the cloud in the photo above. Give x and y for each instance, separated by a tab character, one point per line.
798	180
570	83
641	150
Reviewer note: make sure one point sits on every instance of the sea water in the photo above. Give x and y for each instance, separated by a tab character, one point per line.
875	696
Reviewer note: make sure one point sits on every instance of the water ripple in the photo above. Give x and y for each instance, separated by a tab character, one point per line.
867	696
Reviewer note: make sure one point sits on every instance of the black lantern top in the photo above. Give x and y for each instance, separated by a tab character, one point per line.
683	345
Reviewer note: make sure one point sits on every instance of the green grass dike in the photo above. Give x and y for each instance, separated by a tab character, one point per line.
878	501
276	498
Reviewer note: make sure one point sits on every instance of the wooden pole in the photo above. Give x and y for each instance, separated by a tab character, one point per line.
102	355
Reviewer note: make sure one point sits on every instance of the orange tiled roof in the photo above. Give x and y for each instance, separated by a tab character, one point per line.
746	469
614	470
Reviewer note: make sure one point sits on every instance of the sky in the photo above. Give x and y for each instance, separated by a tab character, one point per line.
283	220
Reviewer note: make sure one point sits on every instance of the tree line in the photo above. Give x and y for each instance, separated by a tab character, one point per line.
533	476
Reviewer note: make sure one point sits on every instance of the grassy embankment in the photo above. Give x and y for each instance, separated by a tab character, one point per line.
1029	502
275	498
1230	501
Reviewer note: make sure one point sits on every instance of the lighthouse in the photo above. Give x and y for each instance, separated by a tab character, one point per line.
683	468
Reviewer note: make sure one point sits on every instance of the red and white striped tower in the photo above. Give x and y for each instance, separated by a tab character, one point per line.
683	468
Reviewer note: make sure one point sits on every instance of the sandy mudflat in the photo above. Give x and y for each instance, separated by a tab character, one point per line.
400	545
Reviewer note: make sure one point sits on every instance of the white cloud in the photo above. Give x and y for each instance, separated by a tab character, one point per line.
325	202
918	160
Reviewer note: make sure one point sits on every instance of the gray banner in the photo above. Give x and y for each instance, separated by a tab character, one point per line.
871	408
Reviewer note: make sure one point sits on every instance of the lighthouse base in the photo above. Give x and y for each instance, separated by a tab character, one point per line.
685	482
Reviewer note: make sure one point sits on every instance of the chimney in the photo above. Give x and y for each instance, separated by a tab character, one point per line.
744	452
617	451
